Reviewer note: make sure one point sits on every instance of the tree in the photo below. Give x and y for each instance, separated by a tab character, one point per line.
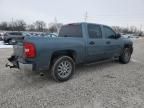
40	26
18	25
54	27
116	29
21	25
4	26
130	30
31	27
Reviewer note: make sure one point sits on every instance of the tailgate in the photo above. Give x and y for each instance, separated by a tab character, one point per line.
18	49
17	53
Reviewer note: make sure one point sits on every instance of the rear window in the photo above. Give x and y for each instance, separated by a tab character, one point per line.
71	30
15	33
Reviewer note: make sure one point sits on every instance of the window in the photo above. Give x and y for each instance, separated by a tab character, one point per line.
109	33
71	30
15	33
94	31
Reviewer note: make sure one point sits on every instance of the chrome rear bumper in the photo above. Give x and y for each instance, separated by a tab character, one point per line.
14	63
25	67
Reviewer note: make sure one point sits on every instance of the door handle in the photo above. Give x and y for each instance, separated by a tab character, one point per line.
108	42
92	43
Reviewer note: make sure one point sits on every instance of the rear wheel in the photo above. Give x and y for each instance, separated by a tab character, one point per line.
63	68
126	56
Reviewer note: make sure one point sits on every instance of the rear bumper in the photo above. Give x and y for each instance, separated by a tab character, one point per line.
25	67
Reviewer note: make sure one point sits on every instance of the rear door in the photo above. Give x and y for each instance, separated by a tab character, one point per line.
112	44
95	43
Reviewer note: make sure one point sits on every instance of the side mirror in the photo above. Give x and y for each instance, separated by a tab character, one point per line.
118	36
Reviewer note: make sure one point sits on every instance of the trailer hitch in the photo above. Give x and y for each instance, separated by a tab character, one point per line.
10	66
13	62
12	58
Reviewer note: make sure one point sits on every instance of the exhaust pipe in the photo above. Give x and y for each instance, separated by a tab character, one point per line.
41	74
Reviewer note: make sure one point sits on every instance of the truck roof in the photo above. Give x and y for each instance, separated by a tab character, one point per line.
83	23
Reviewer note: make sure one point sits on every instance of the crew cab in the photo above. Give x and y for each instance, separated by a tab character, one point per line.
77	43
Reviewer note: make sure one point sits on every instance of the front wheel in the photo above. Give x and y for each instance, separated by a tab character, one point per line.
126	56
63	68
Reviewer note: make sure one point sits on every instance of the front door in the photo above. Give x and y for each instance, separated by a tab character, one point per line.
112	44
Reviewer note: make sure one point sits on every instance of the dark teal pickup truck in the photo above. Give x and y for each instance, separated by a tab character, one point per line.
77	43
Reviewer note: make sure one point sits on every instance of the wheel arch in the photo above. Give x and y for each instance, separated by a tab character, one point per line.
68	52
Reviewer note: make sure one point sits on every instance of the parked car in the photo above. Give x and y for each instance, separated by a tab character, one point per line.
0	36
51	35
77	43
9	37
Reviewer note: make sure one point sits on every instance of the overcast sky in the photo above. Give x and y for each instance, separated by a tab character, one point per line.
109	12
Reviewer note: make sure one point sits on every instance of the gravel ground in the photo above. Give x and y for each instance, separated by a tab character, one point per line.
102	85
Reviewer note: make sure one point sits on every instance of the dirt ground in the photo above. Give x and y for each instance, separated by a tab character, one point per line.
101	85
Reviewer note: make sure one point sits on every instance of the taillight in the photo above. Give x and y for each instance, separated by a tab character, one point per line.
29	50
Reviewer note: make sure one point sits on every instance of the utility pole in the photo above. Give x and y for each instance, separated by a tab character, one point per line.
55	20
85	16
141	27
127	26
140	30
12	24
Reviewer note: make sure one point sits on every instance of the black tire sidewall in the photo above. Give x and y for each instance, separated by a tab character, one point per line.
10	42
122	57
55	65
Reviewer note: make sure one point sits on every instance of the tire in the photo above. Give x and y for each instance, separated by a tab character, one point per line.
5	41
126	56
10	42
63	68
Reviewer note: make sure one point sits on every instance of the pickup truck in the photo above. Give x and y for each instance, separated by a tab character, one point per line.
77	43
